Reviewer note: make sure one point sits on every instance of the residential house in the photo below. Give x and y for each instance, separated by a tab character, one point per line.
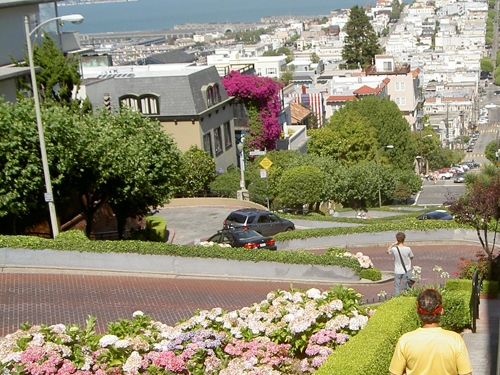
13	42
402	86
190	102
265	66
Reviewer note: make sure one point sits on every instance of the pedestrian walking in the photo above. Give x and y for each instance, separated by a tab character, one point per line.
434	178
430	350
402	263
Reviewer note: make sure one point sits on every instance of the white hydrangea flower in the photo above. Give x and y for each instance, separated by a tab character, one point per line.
121	344
58	328
358	322
133	363
137	313
314	293
107	340
38	340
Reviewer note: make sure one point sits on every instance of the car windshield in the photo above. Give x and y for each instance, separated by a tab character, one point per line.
238	218
246	235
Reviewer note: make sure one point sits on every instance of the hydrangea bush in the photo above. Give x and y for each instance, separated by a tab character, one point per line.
261	98
288	332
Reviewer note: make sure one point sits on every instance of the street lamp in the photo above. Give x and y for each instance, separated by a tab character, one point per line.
49	198
243	192
378	170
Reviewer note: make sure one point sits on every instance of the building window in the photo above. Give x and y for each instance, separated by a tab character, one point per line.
387	66
218	141
400	86
146	104
130	102
401	101
149	105
211	94
228	142
271	71
207	144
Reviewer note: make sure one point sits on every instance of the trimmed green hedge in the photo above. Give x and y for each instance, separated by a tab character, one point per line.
370	351
370	227
76	240
391	320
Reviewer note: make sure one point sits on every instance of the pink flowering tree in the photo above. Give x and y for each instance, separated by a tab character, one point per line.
261	98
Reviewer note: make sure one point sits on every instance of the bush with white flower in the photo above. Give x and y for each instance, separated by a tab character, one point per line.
288	332
363	260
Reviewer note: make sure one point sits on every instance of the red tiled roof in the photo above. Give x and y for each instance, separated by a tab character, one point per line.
341	98
367	90
298	113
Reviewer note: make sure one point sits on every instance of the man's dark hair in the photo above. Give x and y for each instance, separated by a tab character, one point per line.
429	306
400	237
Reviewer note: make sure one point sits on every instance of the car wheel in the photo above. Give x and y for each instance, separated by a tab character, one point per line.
443	178
288	229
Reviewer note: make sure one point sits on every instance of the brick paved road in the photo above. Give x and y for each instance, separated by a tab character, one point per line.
68	298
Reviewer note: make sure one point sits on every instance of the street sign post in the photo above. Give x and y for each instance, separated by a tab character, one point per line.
257	153
266	163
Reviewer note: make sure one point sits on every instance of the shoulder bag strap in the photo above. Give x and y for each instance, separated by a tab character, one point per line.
400	257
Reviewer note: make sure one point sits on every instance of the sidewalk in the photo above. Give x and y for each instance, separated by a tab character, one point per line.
483	345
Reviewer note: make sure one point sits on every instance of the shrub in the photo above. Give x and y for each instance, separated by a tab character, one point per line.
372	274
456	315
76	240
370	351
490	286
391	320
155	230
459	284
467	267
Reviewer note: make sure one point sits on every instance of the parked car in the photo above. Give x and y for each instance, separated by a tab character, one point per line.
456	170
496	92
470	149
264	222
465	166
246	238
489	106
445	174
459	177
435	215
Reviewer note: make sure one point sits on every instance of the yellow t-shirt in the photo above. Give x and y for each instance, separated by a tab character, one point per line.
430	351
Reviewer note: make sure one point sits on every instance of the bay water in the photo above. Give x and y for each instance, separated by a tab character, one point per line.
144	15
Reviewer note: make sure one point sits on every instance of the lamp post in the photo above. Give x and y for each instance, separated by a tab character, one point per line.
243	192
378	170
49	198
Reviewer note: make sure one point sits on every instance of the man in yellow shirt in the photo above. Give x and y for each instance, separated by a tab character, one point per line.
430	350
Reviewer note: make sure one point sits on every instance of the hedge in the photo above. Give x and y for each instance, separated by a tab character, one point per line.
77	241
392	319
370	351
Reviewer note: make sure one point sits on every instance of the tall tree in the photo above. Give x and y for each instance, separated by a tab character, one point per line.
361	43
391	128
21	175
58	74
125	160
345	137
